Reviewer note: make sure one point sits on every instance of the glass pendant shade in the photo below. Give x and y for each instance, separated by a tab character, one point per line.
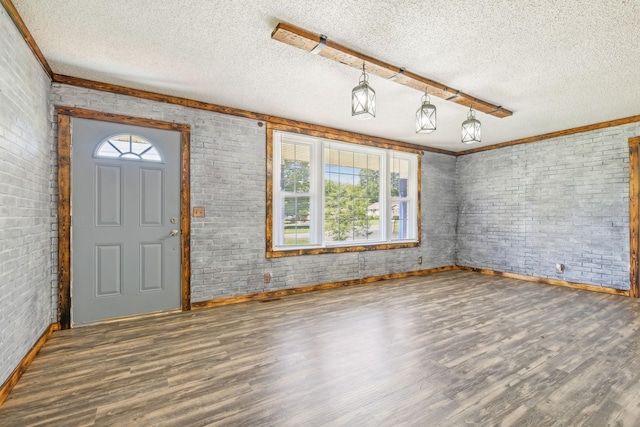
471	129
363	99
426	116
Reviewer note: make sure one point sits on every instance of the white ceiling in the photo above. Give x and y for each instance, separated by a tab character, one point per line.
555	64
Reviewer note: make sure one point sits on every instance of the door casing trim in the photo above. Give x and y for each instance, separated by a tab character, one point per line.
64	200
634	215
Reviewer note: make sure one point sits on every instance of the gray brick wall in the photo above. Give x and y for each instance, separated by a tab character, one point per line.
524	208
25	218
228	166
519	209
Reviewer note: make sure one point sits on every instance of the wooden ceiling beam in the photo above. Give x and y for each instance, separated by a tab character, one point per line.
321	46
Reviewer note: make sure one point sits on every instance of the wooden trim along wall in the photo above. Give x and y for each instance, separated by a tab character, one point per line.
547	281
64	200
268	215
572	131
303	127
26	35
342	136
367	280
270	253
185	212
64	221
153	96
312	288
11	382
634	214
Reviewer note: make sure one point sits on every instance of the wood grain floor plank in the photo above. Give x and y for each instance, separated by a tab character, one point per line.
451	349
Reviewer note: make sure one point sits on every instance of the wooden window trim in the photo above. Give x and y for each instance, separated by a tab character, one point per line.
634	218
271	253
64	200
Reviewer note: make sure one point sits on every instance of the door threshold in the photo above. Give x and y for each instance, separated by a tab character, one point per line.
125	318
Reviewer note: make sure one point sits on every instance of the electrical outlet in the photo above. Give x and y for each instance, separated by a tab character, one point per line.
420	261
267	277
198	212
559	268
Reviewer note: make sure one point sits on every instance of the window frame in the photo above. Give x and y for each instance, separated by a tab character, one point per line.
318	142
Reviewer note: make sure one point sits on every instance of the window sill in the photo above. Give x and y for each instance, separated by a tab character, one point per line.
280	253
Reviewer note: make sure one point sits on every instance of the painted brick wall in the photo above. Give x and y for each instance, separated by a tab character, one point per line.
228	166
524	208
25	217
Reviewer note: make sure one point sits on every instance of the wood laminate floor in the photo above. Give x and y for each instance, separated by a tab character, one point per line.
450	349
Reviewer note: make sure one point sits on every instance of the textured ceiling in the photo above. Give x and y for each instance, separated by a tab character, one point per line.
555	64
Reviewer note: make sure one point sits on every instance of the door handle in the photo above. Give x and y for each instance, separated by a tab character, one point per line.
173	233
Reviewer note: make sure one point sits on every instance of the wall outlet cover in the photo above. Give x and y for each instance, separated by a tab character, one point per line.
198	212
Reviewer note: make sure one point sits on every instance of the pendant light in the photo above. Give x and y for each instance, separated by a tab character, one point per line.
426	116
471	128
363	99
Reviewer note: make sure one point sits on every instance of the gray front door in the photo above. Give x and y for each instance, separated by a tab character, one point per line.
125	220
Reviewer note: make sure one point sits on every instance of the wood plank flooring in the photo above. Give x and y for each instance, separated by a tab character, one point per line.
450	349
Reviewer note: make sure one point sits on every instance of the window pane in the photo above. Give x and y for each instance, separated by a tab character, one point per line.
399	177
401	227
108	150
331	157
296	221
373	163
295	167
400	220
138	147
120	143
151	155
346	181
373	220
352	191
360	161
346	159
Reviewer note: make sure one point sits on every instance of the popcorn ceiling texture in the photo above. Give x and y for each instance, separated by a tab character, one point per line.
556	64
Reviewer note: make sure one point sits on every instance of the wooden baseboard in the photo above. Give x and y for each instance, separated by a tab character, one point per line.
333	285
312	288
548	281
24	364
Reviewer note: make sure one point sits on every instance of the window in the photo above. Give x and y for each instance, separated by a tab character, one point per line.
128	146
331	195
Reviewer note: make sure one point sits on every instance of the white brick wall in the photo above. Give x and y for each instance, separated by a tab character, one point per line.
524	208
25	216
228	168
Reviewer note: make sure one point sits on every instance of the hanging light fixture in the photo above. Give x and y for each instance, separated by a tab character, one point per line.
363	99
471	128
426	116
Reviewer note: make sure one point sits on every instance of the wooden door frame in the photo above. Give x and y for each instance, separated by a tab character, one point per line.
64	200
634	218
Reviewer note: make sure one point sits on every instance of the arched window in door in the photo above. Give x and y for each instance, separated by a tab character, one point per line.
128	147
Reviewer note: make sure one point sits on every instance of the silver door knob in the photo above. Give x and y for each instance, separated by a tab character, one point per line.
173	233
